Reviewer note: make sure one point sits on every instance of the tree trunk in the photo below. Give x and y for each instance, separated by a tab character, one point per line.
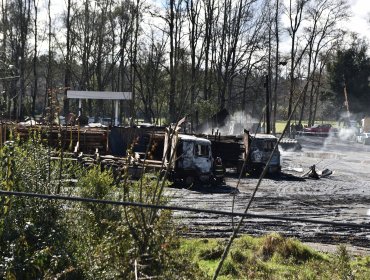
35	77
277	61
67	70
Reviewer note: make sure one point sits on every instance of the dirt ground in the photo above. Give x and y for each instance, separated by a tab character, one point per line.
344	196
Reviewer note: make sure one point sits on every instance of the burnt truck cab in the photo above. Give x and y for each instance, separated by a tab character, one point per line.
260	148
190	159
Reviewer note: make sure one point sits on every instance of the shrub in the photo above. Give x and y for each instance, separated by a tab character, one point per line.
269	245
342	263
211	253
287	249
33	236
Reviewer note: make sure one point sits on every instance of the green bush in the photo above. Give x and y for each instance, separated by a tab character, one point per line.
111	241
33	236
52	239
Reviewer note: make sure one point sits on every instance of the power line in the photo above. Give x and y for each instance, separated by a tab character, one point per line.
180	208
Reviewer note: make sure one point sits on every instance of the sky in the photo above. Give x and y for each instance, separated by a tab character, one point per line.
360	22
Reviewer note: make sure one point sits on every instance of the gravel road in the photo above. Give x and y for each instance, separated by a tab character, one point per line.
344	196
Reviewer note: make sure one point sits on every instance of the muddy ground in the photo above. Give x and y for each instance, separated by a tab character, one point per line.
342	197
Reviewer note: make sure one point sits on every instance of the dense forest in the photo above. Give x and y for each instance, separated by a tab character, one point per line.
182	57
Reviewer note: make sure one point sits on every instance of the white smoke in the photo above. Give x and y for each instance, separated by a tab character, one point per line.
235	124
346	130
347	133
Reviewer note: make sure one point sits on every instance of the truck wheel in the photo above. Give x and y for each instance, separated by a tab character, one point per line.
240	169
189	180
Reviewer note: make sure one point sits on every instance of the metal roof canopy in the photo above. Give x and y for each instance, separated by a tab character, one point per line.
106	95
103	95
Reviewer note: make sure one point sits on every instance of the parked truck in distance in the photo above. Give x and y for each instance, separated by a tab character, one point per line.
364	136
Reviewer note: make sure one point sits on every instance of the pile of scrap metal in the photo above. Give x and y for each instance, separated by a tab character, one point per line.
312	173
289	144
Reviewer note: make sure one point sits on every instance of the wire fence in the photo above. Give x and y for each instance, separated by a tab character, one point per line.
181	208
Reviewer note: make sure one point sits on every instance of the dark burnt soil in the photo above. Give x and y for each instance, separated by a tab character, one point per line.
342	197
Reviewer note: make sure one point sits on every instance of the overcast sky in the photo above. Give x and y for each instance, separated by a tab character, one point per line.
360	21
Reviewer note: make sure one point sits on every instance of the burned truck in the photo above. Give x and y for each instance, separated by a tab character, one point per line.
189	158
260	147
254	149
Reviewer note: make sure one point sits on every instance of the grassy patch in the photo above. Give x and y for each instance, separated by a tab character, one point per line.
274	257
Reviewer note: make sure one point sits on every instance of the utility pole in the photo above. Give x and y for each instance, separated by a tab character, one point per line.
346	101
267	107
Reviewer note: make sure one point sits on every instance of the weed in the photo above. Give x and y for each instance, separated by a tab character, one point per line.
342	263
229	268
296	252
211	253
270	244
238	257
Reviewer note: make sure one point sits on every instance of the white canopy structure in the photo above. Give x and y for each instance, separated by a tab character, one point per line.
103	95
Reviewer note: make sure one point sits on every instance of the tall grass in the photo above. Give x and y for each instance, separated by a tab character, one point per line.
275	257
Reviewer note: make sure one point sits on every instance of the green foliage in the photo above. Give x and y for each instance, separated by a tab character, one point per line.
49	239
342	262
110	241
286	249
33	236
211	253
351	67
276	257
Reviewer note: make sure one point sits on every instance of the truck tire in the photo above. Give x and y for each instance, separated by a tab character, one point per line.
189	180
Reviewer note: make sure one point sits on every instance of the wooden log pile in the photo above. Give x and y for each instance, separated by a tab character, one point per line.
63	137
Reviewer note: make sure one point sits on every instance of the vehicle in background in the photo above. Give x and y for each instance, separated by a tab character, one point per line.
318	128
106	121
364	138
364	135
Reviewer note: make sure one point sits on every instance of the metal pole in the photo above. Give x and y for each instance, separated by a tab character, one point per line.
346	100
267	105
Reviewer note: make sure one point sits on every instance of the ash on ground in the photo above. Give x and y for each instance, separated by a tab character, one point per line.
344	196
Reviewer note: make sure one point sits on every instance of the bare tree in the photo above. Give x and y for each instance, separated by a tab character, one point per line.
325	17
234	42
67	71
35	60
193	9
134	50
210	20
277	63
151	79
295	14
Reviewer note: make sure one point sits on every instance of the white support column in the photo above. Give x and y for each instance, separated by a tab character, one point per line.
116	107
79	107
